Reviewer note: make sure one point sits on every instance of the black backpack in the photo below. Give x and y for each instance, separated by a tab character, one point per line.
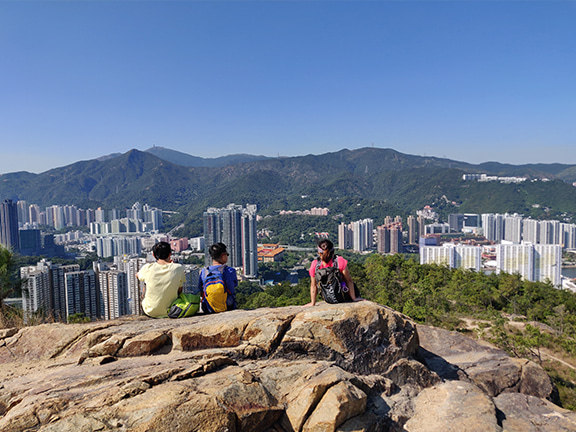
329	279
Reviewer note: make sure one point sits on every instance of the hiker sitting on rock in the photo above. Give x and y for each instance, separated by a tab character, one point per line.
164	281
217	283
331	274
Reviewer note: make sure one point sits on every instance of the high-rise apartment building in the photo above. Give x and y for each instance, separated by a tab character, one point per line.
538	263
345	236
249	242
34	213
453	256
30	242
456	222
82	296
152	217
234	226
382	239
441	255
516	258
100	215
23	214
71	215
421	227
493	226
438	228
389	238
412	230
44	288
135	285
513	228
468	257
113	214
531	231
362	235
568	235
549	232
9	236
135	212
113	285
36	289
548	263
117	246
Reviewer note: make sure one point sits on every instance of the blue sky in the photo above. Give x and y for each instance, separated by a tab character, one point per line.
473	81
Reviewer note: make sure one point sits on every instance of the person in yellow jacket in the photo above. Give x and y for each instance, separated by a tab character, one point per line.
164	281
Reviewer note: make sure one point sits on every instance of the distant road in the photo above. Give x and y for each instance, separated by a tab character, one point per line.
174	229
296	248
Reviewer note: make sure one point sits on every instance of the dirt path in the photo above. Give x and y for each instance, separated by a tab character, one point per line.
546	355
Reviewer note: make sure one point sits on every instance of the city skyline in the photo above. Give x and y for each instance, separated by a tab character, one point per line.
469	81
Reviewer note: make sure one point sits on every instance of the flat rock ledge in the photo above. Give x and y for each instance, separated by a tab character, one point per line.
350	367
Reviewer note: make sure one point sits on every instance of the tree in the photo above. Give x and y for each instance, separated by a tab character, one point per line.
9	279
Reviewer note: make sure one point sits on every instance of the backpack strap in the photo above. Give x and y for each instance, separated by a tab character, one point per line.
222	269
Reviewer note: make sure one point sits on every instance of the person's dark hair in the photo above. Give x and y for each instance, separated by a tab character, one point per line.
327	245
161	250
217	250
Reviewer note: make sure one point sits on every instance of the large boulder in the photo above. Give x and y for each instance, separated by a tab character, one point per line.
453	405
489	368
348	367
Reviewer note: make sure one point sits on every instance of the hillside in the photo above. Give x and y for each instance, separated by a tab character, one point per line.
382	178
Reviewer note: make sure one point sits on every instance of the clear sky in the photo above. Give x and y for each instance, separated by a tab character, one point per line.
473	81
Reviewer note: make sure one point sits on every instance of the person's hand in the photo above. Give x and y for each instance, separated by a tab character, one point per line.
357	299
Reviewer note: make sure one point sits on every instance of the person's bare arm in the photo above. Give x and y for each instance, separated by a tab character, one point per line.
350	284
313	293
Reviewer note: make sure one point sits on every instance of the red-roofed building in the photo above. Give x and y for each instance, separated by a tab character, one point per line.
270	253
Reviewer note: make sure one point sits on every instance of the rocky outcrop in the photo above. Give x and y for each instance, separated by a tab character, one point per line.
350	367
489	368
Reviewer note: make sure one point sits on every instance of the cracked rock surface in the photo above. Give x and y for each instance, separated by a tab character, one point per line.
348	367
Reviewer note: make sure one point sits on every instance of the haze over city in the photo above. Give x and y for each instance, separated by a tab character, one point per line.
470	81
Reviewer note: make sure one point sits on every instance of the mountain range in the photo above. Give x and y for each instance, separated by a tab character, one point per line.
177	181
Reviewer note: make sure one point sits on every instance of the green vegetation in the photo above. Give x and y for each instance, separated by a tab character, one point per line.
282	294
78	318
532	320
9	275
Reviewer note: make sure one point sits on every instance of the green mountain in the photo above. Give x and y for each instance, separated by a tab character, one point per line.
349	182
187	160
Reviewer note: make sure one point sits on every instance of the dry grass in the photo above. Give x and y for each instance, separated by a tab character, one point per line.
564	377
12	317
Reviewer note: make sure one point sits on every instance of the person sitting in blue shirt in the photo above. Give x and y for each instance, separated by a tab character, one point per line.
217	283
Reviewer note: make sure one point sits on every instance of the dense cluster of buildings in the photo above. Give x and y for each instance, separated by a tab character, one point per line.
501	242
58	217
314	211
486	178
361	236
20	227
538	262
531	248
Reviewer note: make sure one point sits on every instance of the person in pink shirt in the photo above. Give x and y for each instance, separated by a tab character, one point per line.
346	291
